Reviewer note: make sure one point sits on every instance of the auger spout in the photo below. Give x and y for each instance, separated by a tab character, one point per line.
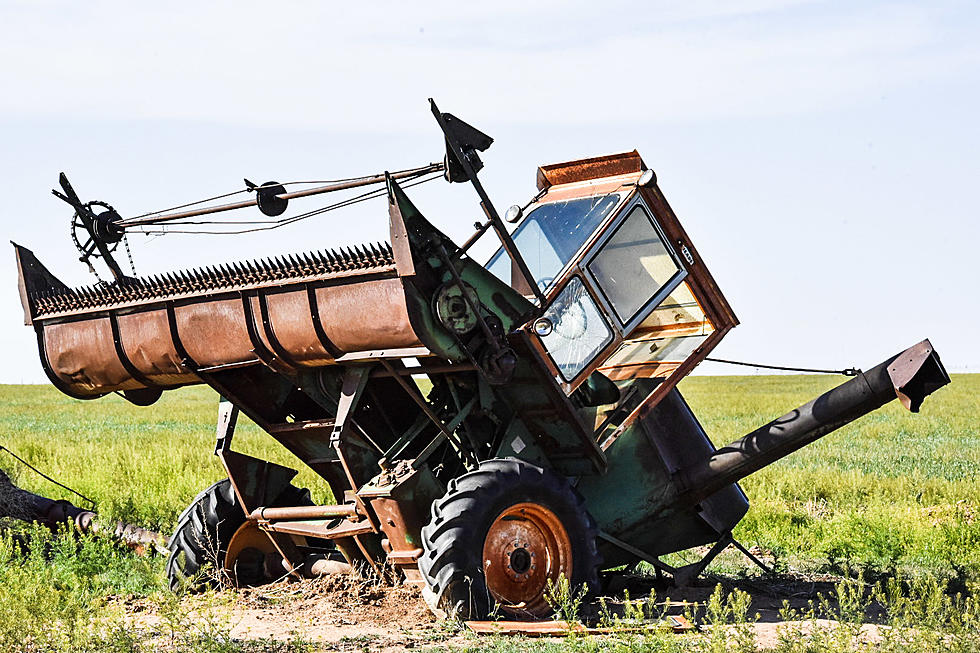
909	377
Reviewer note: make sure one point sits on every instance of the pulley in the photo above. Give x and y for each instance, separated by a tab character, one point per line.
267	197
454	310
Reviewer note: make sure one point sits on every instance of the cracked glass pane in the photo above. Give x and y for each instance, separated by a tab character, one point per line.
580	332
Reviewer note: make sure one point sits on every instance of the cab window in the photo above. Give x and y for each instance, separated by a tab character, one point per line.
634	265
551	234
580	331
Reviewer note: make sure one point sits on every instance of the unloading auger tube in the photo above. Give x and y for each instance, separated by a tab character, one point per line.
553	439
909	377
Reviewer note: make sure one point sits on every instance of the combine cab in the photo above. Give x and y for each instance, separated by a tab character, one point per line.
485	429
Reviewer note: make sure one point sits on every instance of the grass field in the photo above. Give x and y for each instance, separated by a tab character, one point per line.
891	493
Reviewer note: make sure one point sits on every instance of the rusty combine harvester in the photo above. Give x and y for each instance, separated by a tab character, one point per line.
553	439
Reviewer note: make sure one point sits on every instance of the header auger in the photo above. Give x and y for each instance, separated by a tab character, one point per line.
546	437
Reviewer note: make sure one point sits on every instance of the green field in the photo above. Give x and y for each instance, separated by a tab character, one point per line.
892	489
893	493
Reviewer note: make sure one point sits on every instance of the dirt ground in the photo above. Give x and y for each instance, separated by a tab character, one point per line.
347	613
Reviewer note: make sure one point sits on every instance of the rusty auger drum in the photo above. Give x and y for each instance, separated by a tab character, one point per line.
553	440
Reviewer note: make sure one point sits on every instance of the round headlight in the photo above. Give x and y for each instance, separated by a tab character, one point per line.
648	178
543	326
514	213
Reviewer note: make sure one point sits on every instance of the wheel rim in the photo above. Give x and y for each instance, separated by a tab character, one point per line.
247	561
526	547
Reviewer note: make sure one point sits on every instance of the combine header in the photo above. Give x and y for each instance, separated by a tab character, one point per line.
484	428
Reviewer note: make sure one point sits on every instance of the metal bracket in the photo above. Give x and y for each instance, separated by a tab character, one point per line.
354	381
465	155
227	420
684	575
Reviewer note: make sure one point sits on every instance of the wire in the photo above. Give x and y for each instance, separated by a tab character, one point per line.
45	476
184	206
282	221
275	224
850	371
248	190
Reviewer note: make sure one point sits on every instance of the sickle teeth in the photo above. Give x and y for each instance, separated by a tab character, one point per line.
224	276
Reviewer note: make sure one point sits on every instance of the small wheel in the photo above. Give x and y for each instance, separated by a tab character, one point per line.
500	536
252	559
205	529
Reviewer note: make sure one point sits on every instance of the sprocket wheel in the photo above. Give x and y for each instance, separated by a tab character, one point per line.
104	219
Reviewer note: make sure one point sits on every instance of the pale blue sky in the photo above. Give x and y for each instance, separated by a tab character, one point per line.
823	156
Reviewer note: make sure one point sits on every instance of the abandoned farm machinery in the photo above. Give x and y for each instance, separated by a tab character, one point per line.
484	429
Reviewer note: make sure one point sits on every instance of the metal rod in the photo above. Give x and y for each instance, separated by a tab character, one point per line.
413	392
303	512
319	190
431	369
367	181
639	553
480	230
488	208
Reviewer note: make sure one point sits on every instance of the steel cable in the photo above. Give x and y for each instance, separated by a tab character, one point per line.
247	190
849	371
45	476
275	224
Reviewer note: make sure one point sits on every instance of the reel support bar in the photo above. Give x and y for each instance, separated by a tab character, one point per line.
319	190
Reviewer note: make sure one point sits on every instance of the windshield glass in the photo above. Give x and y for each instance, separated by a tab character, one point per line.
551	234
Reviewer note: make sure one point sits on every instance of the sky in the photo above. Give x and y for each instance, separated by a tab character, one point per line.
823	156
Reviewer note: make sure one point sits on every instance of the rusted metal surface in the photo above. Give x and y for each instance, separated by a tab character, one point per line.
677	624
399	497
304	512
917	373
328	566
585	169
252	558
101	340
526	550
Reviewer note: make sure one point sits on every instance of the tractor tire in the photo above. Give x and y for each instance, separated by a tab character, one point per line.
497	538
204	530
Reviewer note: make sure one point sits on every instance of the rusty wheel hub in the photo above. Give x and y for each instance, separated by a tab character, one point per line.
252	558
526	547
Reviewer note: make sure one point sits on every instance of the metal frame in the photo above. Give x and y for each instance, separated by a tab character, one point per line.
644	311
579	267
563	272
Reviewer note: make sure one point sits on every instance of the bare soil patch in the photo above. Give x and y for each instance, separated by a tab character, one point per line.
344	612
